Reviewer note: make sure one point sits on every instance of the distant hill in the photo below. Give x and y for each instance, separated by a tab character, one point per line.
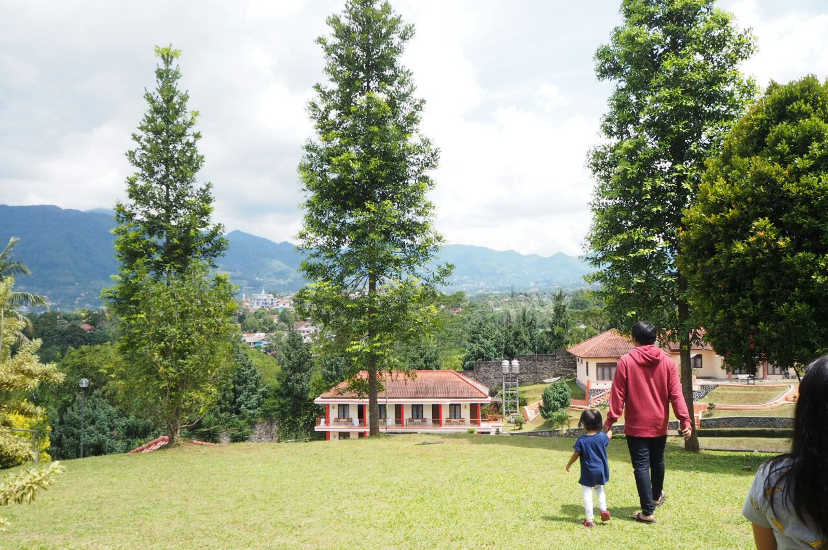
70	253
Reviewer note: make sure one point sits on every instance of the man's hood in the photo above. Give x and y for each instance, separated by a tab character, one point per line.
647	356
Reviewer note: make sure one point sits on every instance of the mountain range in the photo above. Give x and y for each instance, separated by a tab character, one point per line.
70	254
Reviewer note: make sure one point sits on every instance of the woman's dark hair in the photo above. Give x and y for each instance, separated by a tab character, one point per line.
644	333
802	475
591	420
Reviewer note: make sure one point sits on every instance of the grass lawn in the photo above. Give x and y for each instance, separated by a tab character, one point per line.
463	491
766	444
743	396
786	410
534	392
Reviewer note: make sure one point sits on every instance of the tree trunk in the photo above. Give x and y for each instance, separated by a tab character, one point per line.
174	431
373	404
691	444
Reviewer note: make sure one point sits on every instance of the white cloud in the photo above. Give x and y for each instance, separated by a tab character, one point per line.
512	102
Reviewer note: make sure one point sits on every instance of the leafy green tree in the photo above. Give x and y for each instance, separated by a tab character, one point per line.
164	226
177	348
239	405
368	223
756	245
21	372
176	322
295	410
677	91
556	334
555	398
105	428
587	316
485	341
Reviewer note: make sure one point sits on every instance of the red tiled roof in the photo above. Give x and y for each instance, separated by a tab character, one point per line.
614	344
422	384
607	344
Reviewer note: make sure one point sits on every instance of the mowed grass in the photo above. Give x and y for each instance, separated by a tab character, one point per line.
534	392
412	491
743	396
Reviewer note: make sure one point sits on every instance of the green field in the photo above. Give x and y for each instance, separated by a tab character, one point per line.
534	392
417	491
743	396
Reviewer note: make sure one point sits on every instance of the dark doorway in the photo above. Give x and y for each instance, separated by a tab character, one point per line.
435	414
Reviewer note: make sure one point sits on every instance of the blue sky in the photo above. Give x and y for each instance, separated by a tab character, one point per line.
512	102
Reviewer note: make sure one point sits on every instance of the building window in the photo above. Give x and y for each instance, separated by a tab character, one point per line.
383	413
344	410
606	371
344	435
417	412
697	361
454	411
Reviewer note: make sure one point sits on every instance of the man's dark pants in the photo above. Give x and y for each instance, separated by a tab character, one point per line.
647	457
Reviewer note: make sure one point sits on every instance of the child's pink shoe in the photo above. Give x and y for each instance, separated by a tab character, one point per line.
605	515
588	523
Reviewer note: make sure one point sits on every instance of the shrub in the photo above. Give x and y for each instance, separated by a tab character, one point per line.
559	419
518	421
555	397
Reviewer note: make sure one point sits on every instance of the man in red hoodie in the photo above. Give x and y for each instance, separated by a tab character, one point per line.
646	381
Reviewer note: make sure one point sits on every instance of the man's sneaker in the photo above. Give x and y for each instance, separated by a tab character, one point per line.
605	515
588	523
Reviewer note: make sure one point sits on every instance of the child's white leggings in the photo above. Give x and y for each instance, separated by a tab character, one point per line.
602	500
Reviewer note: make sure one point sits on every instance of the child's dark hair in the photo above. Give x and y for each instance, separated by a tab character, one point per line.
591	420
801	474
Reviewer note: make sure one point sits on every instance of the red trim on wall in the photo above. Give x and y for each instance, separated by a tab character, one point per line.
364	415
441	415
402	414
327	415
478	414
327	436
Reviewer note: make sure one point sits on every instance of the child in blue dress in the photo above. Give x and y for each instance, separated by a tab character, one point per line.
591	448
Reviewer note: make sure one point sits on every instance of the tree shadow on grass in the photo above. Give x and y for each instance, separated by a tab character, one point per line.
716	462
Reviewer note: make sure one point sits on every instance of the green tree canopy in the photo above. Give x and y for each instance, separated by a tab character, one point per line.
164	226
677	91
176	321
368	223
294	407
756	245
177	349
21	372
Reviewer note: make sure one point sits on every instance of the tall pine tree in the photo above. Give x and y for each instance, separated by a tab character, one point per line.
164	226
368	224
677	91
176	321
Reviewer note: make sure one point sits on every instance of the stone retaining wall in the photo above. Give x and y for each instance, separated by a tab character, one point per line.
747	422
703	390
264	432
534	369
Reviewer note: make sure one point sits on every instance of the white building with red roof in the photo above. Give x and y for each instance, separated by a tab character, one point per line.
432	401
596	359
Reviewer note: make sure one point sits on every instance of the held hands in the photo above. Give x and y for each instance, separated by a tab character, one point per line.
609	433
686	432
